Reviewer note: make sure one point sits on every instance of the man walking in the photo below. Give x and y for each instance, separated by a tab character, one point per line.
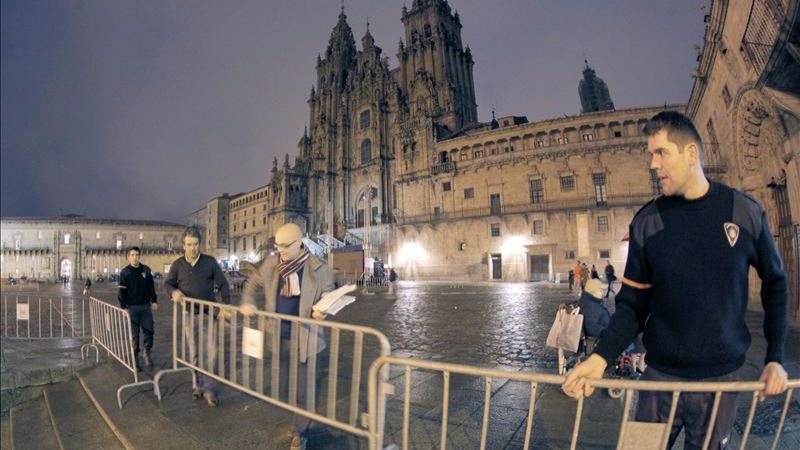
610	278
292	282
137	294
686	286
198	276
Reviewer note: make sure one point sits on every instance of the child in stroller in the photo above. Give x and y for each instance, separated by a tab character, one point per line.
596	317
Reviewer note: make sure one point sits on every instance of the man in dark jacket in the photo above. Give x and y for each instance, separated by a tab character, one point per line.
137	294
595	315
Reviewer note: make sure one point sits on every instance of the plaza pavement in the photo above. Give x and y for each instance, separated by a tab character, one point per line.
243	422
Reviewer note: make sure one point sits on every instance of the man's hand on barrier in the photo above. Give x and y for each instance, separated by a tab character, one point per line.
154	306
575	385
225	314
775	376
177	296
317	315
247	309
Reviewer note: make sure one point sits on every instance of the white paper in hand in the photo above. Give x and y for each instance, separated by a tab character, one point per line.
253	343
334	301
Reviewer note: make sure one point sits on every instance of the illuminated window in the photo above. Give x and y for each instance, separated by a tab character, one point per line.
119	244
600	194
169	245
141	236
587	137
39	235
97	235
602	224
17	243
66	238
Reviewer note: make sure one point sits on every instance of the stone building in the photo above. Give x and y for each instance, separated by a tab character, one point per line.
746	104
75	246
593	92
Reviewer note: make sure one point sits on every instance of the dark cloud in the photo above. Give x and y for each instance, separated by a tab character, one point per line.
130	109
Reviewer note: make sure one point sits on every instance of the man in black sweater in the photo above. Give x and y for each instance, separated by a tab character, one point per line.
686	285
137	294
198	276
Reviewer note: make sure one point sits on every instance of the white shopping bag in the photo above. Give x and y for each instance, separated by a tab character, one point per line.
552	336
569	336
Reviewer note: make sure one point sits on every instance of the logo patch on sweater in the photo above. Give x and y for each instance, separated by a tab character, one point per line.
731	232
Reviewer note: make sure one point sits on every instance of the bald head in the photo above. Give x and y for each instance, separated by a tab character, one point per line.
289	240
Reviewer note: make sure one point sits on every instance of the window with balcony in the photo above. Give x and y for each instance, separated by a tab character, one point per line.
446	186
600	189
537	191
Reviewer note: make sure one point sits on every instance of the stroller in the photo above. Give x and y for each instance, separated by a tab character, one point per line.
629	365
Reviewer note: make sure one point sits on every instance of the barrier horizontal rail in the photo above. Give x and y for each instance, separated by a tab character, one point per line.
629	430
111	330
243	352
43	317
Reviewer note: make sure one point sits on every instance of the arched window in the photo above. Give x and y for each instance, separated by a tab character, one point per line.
366	151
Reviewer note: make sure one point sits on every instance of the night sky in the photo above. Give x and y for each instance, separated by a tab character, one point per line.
147	109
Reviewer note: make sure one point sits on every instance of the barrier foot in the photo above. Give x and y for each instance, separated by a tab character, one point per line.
96	352
125	386
157	379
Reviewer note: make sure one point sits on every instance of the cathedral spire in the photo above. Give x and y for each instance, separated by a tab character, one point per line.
593	91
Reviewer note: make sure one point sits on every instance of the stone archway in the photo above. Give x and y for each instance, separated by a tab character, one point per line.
65	268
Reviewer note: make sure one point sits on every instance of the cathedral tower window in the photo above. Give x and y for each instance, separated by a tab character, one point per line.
364	119
366	151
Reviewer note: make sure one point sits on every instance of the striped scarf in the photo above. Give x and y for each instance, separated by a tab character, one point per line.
288	270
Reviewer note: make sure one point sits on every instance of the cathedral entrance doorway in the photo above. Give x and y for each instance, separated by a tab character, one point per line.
66	268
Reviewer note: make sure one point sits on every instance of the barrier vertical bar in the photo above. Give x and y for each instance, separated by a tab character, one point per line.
221	345
260	366
29	316
445	407
749	424
233	347
625	411
245	359
50	315
39	315
712	420
5	315
676	395
487	398
275	367
358	345
61	315
333	373
311	369
577	425
779	430
531	409
294	344
406	407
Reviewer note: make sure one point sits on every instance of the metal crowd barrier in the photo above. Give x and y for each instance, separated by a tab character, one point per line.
632	434
243	354
40	317
111	329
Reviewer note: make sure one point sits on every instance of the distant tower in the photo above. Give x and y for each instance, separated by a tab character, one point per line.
593	92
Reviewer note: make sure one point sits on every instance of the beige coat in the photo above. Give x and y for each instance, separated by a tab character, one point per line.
317	279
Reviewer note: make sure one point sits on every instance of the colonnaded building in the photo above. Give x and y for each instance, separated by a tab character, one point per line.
74	246
396	161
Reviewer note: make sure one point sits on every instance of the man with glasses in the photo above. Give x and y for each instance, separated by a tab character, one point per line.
292	281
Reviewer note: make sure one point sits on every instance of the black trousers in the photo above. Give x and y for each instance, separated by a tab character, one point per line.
141	318
693	411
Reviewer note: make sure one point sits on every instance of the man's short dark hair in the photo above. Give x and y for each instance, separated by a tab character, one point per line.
680	130
191	231
134	248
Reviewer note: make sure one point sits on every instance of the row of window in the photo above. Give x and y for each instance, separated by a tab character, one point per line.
567	184
235	245
244	223
538	227
249	198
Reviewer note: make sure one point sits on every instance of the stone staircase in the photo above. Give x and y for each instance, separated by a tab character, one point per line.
62	418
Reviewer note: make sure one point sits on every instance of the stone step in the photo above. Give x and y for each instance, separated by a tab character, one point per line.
77	421
32	427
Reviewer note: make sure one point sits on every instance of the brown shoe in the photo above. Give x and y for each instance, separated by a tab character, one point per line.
211	400
197	393
299	442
